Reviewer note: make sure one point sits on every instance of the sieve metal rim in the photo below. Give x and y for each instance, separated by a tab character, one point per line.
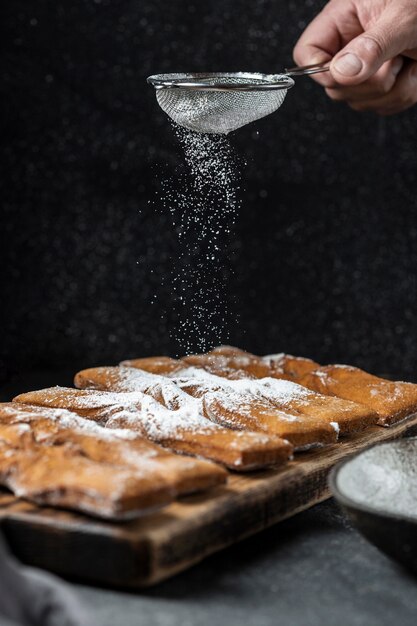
194	81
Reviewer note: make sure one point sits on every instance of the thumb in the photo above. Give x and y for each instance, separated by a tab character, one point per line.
363	56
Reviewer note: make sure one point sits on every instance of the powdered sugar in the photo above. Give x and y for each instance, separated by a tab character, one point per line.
202	199
324	377
64	419
336	426
283	391
135	409
159	422
279	356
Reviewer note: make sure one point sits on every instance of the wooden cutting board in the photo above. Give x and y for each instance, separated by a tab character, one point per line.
146	551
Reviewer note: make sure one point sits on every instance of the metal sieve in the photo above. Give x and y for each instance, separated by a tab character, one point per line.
221	102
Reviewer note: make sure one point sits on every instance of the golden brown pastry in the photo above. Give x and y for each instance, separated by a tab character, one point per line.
313	409
392	401
289	398
233	407
185	475
223	361
67	467
288	366
182	429
232	363
155	364
226	350
228	367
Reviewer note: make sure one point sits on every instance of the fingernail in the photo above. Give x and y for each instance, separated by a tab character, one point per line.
348	64
397	66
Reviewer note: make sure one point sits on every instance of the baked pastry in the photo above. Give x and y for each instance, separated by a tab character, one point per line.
289	398
232	363
182	429
223	361
310	409
391	405
288	366
121	447
392	401
44	460
155	364
229	403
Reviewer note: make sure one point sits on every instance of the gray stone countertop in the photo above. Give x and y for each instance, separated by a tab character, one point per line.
311	570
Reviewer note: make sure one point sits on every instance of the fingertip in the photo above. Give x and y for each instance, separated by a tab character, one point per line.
360	59
346	69
320	56
305	54
311	55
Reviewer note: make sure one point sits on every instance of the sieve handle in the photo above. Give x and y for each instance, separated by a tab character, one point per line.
305	70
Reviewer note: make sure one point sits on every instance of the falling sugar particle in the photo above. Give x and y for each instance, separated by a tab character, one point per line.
203	202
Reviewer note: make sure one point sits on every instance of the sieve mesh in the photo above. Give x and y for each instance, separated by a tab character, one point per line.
221	103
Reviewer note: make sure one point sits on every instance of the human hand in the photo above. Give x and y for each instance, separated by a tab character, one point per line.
373	47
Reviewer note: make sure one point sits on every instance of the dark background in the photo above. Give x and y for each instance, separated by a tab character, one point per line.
323	254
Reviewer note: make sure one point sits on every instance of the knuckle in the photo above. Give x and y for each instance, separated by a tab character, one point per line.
384	86
376	86
373	45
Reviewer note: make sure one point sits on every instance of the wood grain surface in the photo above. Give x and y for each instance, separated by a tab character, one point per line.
145	551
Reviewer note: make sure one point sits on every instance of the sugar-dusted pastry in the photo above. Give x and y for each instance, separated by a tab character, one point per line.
123	379
238	408
43	458
126	448
226	350
229	363
313	409
288	366
392	401
217	365
233	363
225	361
183	429
289	398
155	364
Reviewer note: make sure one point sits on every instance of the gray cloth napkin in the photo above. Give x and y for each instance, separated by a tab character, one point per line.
31	597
